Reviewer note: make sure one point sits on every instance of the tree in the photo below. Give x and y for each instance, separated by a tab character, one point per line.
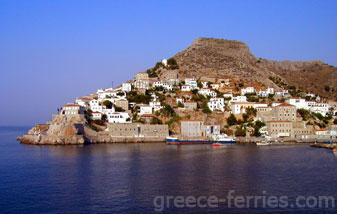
108	104
305	114
245	117
335	122
241	84
172	63
194	91
240	132
327	88
231	120
155	120
205	108
180	105
119	109
251	111
199	84
167	110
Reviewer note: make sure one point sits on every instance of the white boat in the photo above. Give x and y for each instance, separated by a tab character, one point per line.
223	138
263	143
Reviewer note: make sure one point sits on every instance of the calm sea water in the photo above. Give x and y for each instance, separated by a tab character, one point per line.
134	178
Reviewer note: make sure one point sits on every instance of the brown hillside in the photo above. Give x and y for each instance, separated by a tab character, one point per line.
220	58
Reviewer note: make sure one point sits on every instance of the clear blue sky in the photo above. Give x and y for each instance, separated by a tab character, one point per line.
54	51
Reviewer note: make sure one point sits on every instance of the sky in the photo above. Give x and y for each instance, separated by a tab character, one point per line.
54	51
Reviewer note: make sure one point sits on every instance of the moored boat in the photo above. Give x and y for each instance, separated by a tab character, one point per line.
218	139
263	143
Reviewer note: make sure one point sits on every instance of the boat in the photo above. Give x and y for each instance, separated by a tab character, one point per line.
216	140
263	143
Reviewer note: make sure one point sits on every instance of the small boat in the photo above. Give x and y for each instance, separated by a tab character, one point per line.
218	139
263	143
218	144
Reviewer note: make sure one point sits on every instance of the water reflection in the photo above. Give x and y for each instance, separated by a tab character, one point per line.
124	178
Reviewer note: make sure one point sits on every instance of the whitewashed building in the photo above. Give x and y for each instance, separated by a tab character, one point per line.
185	88
179	99
72	108
192	82
83	101
95	106
239	99
126	87
145	109
96	115
207	92
322	108
298	102
217	104
155	105
119	117
248	90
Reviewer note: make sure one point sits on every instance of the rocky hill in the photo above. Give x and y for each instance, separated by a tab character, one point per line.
219	58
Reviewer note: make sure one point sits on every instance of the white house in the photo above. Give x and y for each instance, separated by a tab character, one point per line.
185	88
119	117
165	85
84	101
298	102
217	104
239	99
322	108
155	105
207	92
204	84
240	107
94	106
181	100
145	109
281	93
126	87
96	115
266	93
72	108
248	90
191	82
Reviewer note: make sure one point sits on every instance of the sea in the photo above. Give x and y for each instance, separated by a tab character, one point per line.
160	178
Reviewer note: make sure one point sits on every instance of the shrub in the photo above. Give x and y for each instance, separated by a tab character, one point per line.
335	121
155	120
327	88
108	104
231	120
240	132
119	109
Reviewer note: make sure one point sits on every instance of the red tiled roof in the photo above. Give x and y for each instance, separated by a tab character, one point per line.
85	98
71	104
96	112
285	104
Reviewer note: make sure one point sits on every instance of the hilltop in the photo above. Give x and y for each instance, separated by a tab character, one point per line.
219	58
